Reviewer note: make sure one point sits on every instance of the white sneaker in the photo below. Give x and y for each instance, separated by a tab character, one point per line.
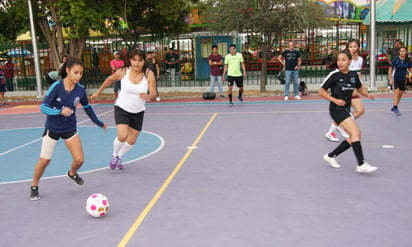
331	137
157	99
286	98
343	132
331	161
298	97
366	168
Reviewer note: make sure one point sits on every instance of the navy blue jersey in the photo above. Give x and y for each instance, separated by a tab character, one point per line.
401	68
58	98
291	59
341	86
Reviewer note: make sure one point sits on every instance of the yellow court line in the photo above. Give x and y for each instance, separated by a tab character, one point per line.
159	193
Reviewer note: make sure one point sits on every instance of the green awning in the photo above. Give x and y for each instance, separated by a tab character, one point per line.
392	11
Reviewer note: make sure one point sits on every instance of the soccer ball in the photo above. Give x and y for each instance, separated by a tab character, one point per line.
97	205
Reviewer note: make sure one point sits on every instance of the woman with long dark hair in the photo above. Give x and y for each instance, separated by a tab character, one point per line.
342	82
136	80
59	105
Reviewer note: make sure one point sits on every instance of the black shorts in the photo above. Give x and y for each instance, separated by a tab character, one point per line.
338	115
116	86
134	120
237	79
3	88
399	84
56	136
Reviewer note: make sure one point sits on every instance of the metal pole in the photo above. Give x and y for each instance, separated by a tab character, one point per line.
35	53
373	45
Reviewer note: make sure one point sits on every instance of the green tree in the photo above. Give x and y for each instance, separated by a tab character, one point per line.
265	20
79	17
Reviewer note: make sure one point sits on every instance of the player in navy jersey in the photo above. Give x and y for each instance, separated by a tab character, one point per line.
136	80
342	82
59	105
398	75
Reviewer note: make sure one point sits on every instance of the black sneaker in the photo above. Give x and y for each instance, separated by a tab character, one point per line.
76	178
34	193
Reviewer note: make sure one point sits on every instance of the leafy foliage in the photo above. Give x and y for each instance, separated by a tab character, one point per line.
264	20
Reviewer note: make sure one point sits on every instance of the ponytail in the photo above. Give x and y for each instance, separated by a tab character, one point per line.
69	64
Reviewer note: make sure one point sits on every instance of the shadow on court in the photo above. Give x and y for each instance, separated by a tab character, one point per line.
250	175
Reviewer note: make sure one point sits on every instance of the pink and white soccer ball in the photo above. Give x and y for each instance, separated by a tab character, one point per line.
97	205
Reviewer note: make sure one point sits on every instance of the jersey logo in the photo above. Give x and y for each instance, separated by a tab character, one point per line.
76	101
352	80
59	99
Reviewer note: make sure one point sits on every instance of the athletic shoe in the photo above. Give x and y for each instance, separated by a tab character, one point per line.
76	178
119	164
298	97
286	98
343	132
34	193
366	168
113	162
157	99
230	104
331	136
331	161
395	111
240	99
222	96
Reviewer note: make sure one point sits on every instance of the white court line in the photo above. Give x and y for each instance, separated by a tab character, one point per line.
38	139
162	143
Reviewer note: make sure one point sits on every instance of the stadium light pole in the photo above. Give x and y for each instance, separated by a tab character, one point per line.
373	45
35	53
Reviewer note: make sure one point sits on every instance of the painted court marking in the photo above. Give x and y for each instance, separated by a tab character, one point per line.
159	193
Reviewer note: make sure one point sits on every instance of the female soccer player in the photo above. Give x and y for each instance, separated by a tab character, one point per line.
353	47
342	83
59	105
398	75
136	80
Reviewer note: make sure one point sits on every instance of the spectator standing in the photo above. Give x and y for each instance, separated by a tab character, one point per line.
2	85
154	67
52	76
172	61
233	62
115	64
9	74
215	63
64	59
394	52
391	55
291	62
398	79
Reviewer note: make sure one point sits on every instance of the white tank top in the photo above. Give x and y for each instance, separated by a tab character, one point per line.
129	95
356	65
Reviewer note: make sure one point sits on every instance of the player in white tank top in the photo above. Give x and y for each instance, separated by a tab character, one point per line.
129	99
136	81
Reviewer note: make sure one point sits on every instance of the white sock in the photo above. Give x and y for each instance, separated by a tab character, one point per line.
125	149
117	146
332	128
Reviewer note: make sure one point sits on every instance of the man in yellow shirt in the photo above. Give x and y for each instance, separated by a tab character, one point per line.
233	62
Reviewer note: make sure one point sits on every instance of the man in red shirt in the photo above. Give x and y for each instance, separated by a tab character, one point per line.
215	63
9	74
